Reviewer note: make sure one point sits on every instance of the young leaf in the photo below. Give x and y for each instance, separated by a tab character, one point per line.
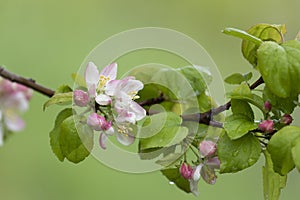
279	66
63	96
243	92
238	78
174	176
63	89
236	155
272	181
280	147
266	32
238	125
59	99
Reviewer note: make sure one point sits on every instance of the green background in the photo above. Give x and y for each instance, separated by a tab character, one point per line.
47	40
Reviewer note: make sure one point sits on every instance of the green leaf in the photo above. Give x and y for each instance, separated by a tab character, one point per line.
238	125
238	78
197	76
272	181
243	92
236	155
266	32
162	130
280	147
296	152
169	159
243	35
70	142
63	89
286	105
279	66
240	107
65	141
59	99
174	176
55	133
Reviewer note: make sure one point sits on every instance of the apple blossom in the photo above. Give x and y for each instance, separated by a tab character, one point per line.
13	100
266	126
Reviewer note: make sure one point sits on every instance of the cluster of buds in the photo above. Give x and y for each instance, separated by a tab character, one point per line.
117	95
267	126
14	100
209	162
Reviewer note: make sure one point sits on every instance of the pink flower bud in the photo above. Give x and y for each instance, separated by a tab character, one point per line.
81	98
268	106
207	148
286	119
266	126
96	121
186	171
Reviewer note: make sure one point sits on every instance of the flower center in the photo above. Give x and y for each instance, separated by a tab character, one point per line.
102	81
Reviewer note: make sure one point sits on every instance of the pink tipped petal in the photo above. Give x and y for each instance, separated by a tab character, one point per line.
132	86
91	75
110	71
139	111
110	131
13	122
194	187
111	87
103	99
125	139
103	140
80	98
213	163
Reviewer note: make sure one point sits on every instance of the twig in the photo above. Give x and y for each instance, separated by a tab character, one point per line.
30	83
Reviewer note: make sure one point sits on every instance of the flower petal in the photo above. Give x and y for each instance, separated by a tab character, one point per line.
131	87
194	187
125	139
208	174
213	163
103	99
196	174
13	121
110	71
103	140
111	87
91	75
138	110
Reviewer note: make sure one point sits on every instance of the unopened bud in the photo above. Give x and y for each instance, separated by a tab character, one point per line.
186	171
96	121
207	148
286	119
266	126
267	106
81	98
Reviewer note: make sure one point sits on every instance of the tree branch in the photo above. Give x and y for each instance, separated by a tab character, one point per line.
207	117
202	118
30	83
